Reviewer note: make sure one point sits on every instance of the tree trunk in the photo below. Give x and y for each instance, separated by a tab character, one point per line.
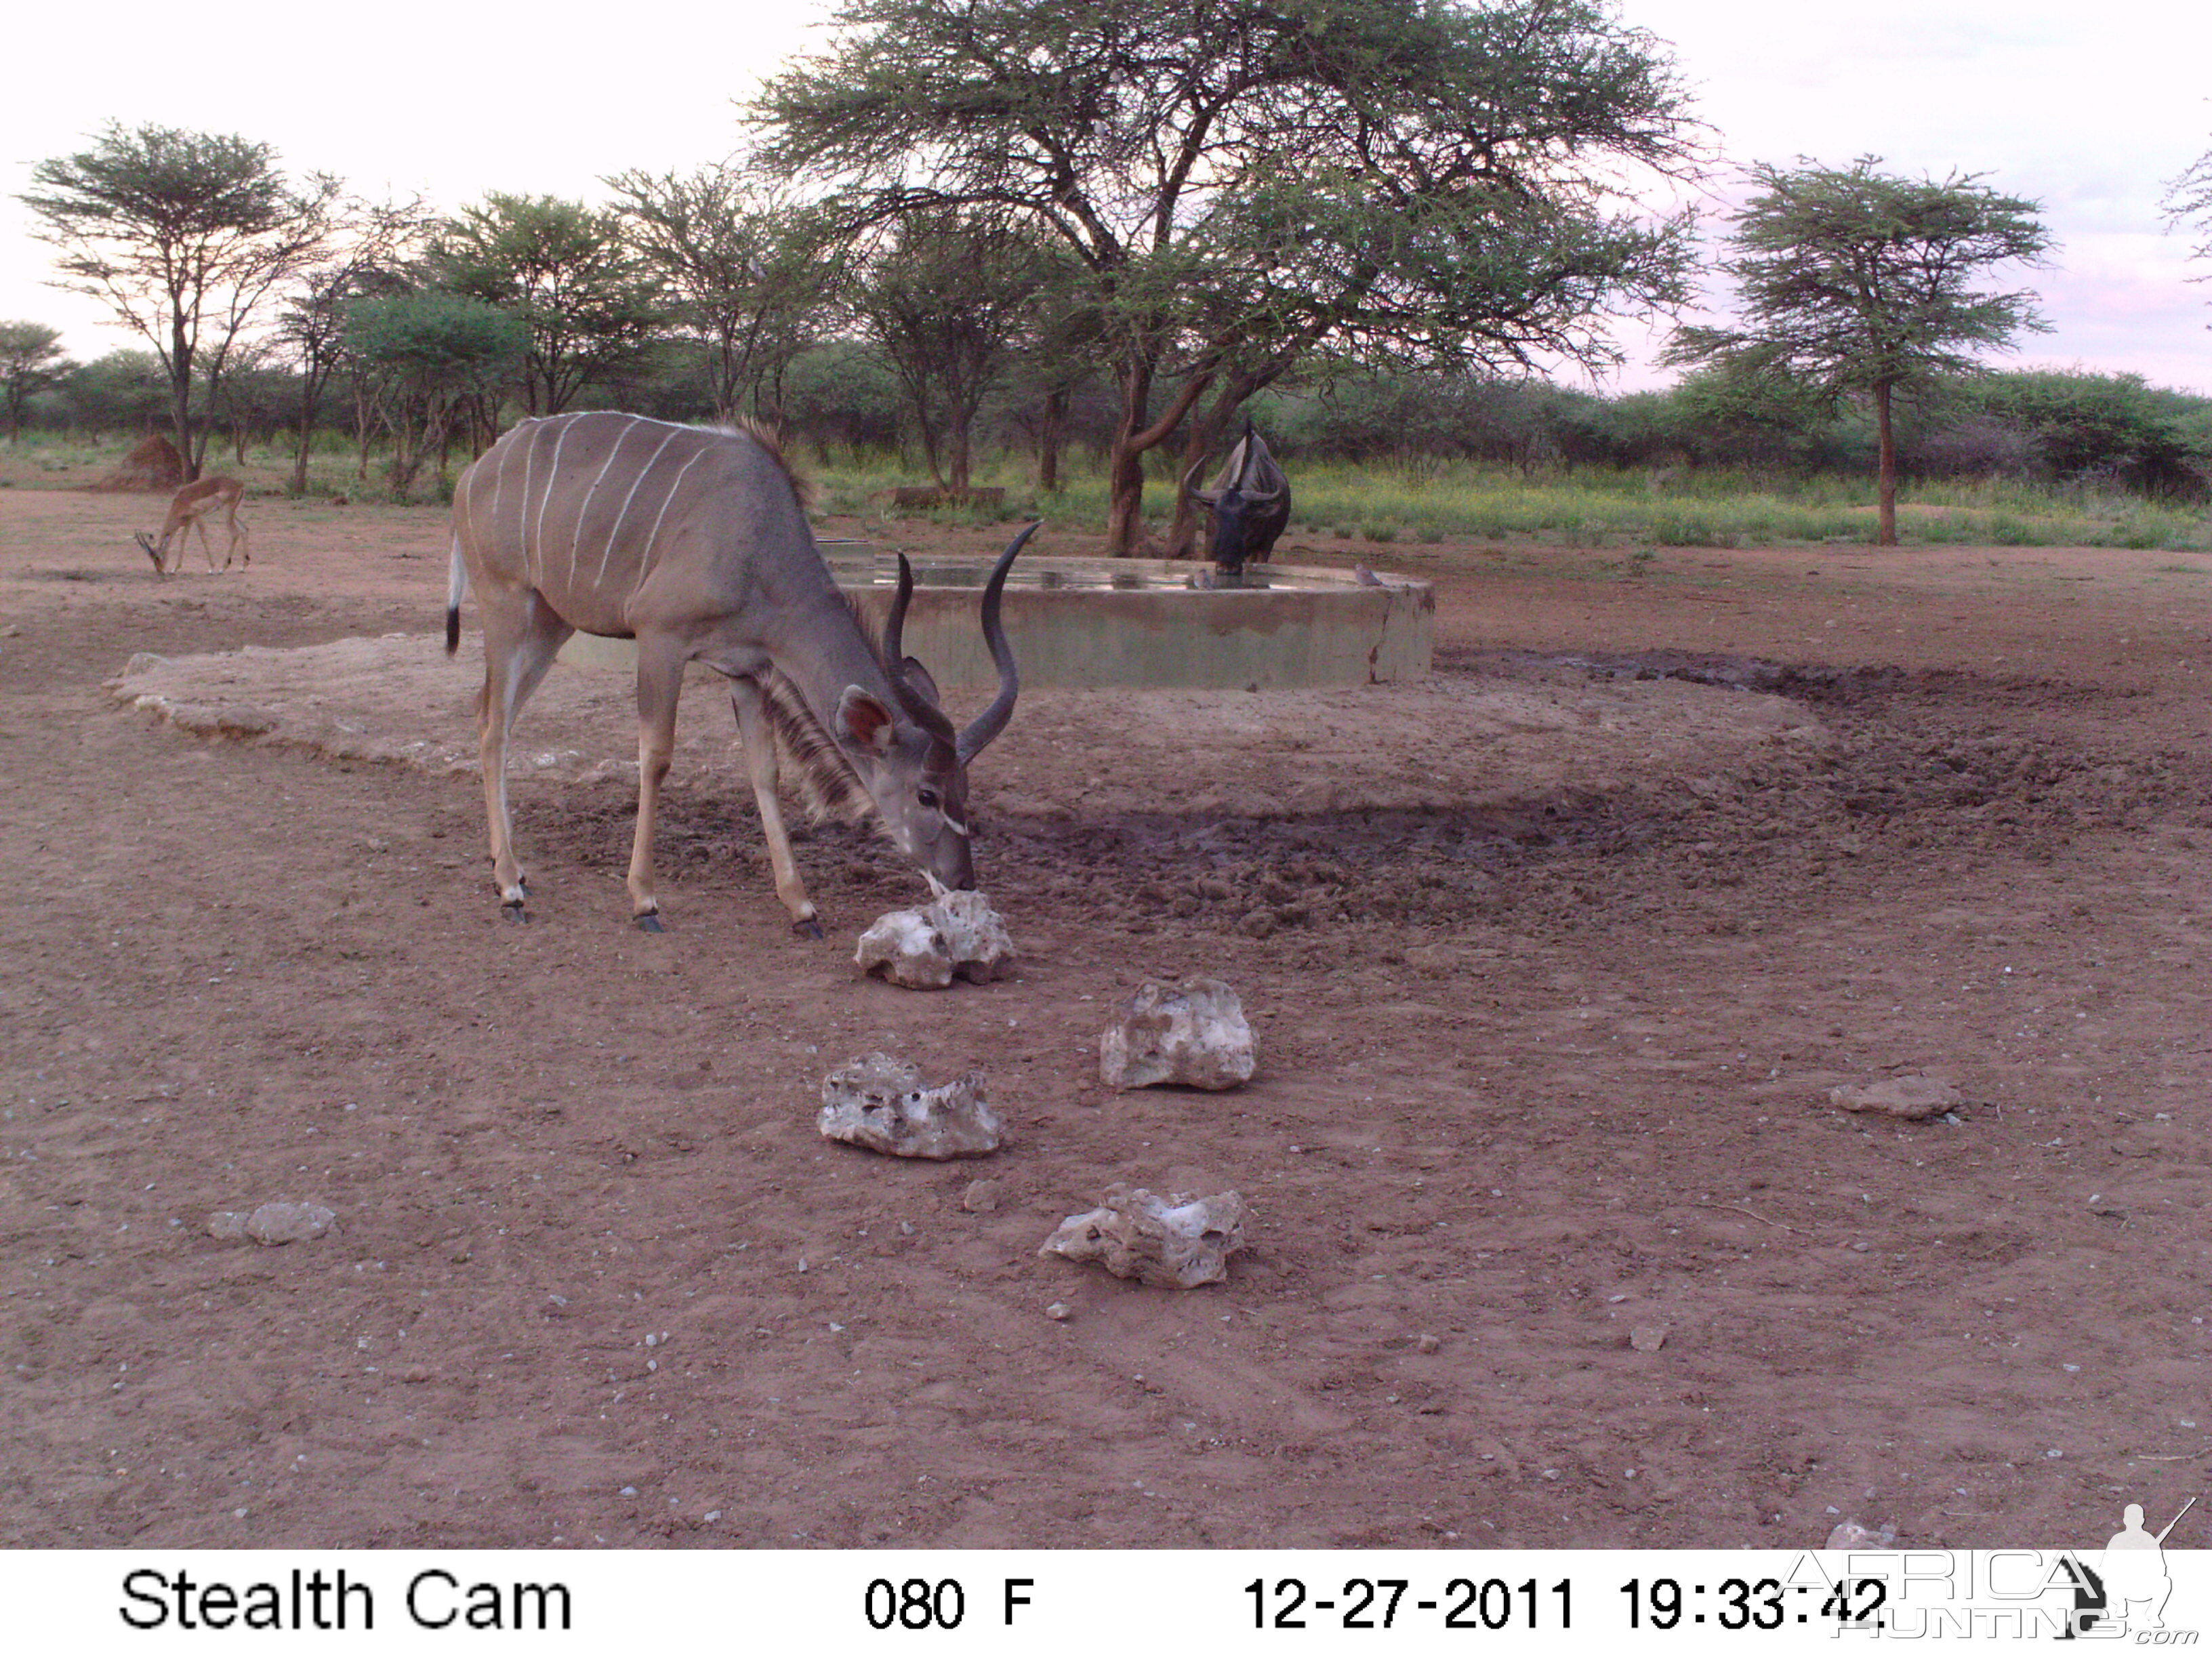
1125	498
299	454
1125	476
1886	477
929	447
1050	432
364	432
1198	443
181	395
957	460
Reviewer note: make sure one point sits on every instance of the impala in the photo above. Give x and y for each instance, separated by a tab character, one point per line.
192	506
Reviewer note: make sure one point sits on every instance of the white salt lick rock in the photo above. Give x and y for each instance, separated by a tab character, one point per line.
1195	1034
956	935
878	1102
1178	1243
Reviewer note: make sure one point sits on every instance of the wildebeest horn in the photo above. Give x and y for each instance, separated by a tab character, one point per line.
992	721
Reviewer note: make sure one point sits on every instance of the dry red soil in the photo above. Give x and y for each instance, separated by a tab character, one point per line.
1555	960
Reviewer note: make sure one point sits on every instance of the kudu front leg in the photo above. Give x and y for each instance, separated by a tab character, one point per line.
659	683
759	738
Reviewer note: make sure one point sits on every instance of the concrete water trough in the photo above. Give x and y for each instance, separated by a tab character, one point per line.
1085	623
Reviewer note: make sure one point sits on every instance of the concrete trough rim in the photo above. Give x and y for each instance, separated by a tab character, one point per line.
1328	627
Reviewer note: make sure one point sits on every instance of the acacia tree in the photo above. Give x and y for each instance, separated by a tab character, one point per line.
2189	202
565	273
31	360
366	257
185	236
946	301
1240	181
1858	284
746	275
423	361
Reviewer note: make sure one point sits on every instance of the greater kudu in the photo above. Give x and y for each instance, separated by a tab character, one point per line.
694	541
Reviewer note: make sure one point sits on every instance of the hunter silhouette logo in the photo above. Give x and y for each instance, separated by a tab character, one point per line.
2136	1579
2127	1589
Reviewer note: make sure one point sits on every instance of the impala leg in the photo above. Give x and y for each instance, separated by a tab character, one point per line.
517	653
659	683
760	760
206	545
244	548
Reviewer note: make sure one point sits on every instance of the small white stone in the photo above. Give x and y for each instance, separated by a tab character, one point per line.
274	1223
1913	1096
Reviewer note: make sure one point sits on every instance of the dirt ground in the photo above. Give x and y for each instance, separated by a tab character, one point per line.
1555	960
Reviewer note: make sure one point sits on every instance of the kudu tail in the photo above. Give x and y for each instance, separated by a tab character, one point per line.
457	586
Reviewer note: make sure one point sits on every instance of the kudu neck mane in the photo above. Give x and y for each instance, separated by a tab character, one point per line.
801	704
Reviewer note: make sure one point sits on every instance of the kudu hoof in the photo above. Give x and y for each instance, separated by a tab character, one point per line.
649	923
809	928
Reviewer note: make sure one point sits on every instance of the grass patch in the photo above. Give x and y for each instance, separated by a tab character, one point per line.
1381	504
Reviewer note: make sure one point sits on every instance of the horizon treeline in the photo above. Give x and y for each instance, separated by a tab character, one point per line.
840	400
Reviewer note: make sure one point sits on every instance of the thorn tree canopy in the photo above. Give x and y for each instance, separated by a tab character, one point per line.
31	360
564	269
1855	282
744	274
183	236
1241	182
2189	202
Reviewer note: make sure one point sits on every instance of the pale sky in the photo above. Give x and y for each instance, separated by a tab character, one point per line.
2088	109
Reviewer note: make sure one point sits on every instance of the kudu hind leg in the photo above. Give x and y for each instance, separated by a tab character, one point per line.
516	659
660	684
760	762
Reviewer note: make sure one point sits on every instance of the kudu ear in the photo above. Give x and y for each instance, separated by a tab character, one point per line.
918	678
863	722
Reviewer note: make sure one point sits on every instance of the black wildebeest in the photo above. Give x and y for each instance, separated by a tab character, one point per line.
1251	501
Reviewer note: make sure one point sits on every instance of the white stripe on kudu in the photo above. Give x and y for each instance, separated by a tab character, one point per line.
577	536
498	490
552	483
653	537
614	533
522	507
